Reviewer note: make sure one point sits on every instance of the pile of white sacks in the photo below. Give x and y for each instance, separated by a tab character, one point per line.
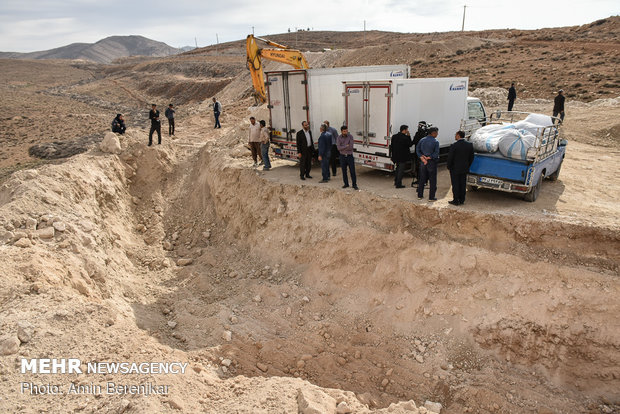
512	140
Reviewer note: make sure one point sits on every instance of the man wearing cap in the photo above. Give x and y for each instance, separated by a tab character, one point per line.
155	124
170	115
558	105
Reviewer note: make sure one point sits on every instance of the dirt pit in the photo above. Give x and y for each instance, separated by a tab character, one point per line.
268	290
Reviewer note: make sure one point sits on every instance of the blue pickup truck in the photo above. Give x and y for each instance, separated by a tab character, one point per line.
523	176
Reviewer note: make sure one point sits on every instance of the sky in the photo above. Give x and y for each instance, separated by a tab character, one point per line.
32	25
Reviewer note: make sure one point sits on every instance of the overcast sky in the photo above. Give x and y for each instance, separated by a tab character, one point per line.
30	25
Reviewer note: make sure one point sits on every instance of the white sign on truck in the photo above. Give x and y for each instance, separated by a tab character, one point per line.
314	95
375	110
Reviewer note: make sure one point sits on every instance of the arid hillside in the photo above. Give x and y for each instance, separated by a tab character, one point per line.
288	296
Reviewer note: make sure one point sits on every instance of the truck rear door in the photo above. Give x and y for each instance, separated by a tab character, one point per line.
367	115
288	107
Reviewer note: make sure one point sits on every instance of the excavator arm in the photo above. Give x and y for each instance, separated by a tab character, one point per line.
281	54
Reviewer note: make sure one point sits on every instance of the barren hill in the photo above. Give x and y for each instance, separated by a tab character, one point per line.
103	51
283	296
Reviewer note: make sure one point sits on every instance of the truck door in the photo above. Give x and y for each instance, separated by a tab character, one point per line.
367	116
288	107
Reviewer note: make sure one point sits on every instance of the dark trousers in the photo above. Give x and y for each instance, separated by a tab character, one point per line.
511	104
399	171
459	183
348	161
256	152
264	150
561	116
155	127
171	126
217	119
305	162
415	167
428	172
325	167
334	159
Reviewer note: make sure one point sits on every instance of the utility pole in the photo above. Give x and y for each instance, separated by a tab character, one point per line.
217	43
252	30
196	42
364	33
463	26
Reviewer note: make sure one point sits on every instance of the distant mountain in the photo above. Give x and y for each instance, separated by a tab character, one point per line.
104	51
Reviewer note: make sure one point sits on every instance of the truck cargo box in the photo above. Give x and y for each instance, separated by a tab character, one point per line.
314	95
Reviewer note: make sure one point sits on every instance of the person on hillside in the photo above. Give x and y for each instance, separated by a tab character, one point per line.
334	157
155	125
118	124
428	152
217	110
512	96
265	144
400	148
254	140
460	157
345	147
305	150
170	115
558	106
325	146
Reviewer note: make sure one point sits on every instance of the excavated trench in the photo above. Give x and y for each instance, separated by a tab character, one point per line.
389	300
483	313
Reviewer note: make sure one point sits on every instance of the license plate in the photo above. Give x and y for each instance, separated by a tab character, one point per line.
490	180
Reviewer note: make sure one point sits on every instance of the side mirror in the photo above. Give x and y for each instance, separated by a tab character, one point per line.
563	143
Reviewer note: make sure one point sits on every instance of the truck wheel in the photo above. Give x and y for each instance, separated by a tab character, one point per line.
532	195
556	174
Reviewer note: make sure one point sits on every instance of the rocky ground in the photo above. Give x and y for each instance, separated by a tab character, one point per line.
283	297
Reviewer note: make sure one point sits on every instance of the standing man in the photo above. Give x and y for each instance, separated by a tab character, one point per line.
217	110
155	125
170	115
558	106
420	133
512	95
334	154
345	147
254	140
460	157
401	154
264	145
428	152
305	149
325	145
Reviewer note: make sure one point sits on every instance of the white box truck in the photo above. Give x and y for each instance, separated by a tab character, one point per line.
313	95
375	110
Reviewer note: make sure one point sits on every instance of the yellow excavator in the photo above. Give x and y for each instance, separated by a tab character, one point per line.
281	54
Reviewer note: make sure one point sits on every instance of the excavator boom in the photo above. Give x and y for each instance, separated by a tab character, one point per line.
282	54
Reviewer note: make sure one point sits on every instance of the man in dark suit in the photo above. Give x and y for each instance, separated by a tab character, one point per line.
305	149
400	147
512	95
460	157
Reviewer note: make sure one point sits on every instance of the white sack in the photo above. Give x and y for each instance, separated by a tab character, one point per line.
514	143
486	139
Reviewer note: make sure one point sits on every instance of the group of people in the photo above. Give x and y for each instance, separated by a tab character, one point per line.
558	102
258	138
156	123
460	158
330	145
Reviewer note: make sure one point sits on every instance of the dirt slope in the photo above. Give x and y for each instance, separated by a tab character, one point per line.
281	295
